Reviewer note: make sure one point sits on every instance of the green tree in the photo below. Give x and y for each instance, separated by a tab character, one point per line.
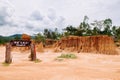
39	38
46	33
49	34
107	27
114	30
70	30
95	31
118	33
17	38
97	27
4	40
84	27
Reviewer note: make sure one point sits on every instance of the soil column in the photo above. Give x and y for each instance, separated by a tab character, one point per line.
8	58
33	52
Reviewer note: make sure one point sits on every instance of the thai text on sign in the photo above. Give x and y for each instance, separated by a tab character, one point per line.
20	43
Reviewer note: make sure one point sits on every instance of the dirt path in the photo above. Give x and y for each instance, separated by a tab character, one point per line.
85	67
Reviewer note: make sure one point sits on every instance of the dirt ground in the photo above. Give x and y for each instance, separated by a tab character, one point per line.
86	67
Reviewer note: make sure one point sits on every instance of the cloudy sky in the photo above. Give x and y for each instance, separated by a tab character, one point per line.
32	16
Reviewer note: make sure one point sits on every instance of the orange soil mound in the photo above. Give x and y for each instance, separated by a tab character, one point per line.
39	47
25	37
97	44
49	43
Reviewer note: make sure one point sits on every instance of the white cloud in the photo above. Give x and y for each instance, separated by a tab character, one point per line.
32	16
5	13
51	14
36	15
30	24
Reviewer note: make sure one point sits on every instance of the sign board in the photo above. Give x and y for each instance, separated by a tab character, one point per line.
20	43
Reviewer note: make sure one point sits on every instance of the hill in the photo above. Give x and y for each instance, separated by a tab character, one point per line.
4	39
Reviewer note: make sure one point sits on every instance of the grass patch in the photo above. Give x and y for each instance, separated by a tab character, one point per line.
5	64
37	61
67	56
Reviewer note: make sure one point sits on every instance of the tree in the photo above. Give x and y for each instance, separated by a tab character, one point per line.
84	27
39	38
107	27
108	22
118	33
114	30
55	34
98	24
47	33
95	31
4	40
70	30
17	38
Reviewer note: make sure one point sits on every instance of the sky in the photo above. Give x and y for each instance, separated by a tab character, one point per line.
33	16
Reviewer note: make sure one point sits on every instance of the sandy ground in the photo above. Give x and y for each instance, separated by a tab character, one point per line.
85	67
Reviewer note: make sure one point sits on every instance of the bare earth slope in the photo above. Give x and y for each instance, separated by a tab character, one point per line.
85	67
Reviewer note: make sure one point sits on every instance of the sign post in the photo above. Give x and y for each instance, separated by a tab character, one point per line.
19	43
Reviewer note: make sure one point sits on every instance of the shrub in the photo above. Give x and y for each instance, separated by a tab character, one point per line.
5	64
38	60
68	56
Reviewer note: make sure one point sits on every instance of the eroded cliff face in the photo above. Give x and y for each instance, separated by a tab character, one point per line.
97	44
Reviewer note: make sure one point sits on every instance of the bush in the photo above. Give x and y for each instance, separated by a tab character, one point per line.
68	56
38	60
5	64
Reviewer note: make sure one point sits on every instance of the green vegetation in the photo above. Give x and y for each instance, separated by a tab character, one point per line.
67	56
38	60
5	64
4	40
39	38
47	34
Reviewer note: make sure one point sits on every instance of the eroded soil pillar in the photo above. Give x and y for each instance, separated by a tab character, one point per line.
33	52
8	58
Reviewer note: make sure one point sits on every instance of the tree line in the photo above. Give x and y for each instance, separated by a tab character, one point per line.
102	27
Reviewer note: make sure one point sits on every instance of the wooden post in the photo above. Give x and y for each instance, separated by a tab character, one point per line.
8	58
33	52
